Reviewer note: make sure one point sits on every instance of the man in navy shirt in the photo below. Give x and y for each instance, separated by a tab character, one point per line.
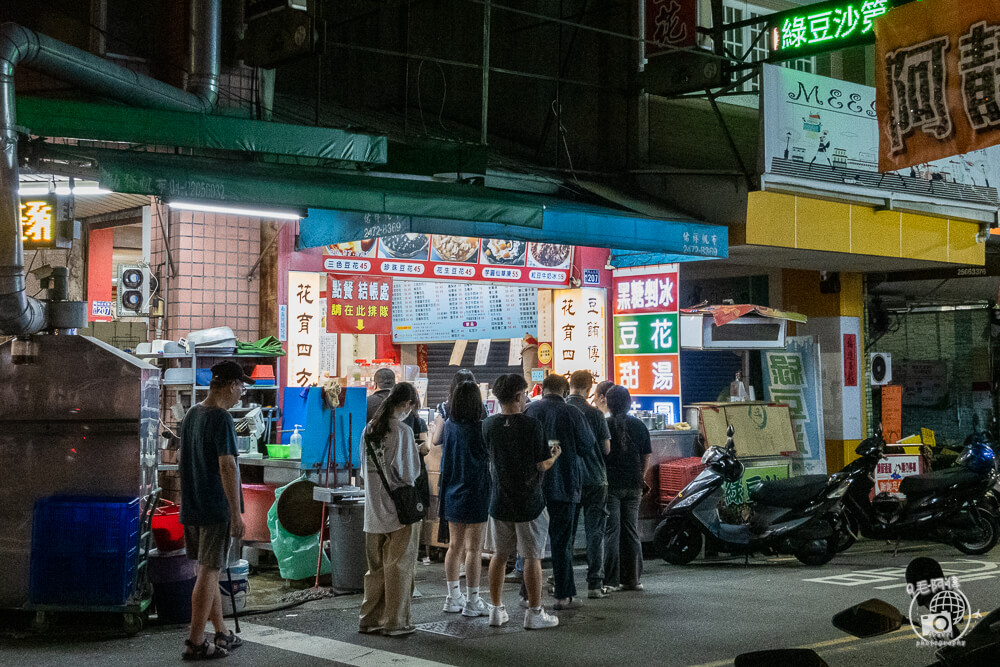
563	482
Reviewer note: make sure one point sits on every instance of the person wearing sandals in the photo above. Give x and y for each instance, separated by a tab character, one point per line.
390	547
626	465
211	504
519	456
464	497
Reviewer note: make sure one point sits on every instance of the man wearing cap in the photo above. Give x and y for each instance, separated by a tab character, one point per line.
211	504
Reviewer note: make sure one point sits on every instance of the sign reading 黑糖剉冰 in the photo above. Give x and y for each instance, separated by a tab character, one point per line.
647	338
824	26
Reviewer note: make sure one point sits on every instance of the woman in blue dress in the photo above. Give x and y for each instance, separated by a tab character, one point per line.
465	497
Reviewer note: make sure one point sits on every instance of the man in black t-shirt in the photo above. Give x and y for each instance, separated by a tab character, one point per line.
519	456
211	503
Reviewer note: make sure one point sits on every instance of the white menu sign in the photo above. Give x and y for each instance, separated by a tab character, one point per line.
424	312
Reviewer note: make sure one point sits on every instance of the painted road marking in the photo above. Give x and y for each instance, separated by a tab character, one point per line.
965	569
329	649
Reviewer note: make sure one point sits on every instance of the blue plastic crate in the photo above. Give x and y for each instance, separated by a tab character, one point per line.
84	550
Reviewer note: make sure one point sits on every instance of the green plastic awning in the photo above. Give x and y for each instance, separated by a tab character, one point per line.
106	122
173	177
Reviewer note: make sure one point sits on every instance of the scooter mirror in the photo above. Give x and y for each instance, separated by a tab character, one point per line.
869	619
786	657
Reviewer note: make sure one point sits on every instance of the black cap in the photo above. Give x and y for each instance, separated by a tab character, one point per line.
230	371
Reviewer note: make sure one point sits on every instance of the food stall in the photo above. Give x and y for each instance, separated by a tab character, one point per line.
769	434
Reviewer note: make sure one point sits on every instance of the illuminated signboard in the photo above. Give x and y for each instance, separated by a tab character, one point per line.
38	222
825	26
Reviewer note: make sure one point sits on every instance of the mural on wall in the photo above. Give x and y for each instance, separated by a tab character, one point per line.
824	129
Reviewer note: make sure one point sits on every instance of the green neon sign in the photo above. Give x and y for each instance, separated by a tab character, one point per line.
825	26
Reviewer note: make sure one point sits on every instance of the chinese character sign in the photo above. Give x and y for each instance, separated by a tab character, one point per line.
890	472
824	26
359	304
37	222
646	337
937	79
792	377
305	317
670	23
580	343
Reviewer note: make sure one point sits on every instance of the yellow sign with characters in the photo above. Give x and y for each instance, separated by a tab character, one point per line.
38	223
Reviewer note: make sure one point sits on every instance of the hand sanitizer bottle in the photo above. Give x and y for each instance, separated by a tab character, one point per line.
295	444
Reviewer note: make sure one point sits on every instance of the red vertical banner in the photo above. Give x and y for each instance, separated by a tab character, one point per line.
670	23
100	247
892	413
850	360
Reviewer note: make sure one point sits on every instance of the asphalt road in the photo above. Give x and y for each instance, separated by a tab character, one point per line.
701	615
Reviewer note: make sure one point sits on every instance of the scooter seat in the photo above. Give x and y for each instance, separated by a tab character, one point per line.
789	493
938	480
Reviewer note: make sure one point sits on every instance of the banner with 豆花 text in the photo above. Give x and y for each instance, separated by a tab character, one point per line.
647	338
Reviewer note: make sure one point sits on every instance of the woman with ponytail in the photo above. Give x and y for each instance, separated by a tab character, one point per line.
390	547
626	464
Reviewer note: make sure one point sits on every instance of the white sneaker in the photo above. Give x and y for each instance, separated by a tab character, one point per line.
498	616
539	620
453	605
524	603
475	607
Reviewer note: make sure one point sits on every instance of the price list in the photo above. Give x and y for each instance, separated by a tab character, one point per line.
432	311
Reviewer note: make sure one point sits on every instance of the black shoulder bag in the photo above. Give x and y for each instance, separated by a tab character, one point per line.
410	506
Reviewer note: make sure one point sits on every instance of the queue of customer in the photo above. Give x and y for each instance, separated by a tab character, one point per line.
519	478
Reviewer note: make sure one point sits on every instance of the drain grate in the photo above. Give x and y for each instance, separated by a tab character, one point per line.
468	629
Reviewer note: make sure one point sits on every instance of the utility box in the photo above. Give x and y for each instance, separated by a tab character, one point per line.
683	72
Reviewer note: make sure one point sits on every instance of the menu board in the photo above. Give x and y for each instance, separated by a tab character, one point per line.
424	312
442	257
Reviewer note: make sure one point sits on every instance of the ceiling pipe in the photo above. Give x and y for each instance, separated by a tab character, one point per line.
19	313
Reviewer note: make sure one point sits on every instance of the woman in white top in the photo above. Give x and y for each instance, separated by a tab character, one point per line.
390	547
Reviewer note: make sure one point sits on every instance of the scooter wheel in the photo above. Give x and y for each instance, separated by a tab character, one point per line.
817	552
678	543
847	531
990	534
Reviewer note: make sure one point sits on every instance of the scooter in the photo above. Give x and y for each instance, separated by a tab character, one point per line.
955	506
799	516
961	644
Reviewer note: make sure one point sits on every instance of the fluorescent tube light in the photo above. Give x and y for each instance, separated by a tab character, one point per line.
42	190
235	210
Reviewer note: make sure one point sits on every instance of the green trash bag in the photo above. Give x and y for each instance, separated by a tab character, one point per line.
296	555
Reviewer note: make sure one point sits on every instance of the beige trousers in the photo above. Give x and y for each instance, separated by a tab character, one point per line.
392	559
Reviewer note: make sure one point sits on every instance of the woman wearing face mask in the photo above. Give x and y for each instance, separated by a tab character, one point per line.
390	547
465	497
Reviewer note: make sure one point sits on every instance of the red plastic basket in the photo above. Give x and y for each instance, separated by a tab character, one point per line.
675	475
168	533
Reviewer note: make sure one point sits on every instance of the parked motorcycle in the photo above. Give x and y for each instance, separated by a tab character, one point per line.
799	516
955	506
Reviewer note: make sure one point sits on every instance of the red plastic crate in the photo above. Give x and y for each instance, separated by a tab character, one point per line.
675	475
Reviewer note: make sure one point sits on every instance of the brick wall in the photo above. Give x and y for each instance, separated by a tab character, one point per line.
212	255
956	338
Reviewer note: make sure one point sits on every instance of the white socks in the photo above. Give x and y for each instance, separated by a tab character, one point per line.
454	589
472	593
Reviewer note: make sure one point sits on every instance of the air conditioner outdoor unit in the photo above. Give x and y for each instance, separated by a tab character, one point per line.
880	368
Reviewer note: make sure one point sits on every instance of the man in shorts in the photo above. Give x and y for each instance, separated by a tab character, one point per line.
519	522
211	504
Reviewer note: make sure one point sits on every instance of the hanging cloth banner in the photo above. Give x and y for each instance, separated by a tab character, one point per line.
937	76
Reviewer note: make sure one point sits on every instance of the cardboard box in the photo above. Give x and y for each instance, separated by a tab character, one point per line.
761	429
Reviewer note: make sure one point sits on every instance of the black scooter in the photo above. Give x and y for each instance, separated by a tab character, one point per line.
798	516
954	506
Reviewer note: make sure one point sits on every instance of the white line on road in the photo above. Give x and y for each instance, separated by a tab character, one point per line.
329	649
